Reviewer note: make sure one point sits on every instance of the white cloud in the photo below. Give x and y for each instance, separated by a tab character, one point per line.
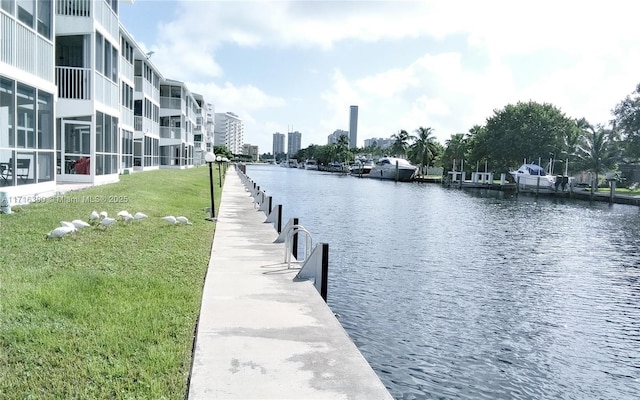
440	88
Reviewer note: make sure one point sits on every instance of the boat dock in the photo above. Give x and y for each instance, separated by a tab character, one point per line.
262	335
575	192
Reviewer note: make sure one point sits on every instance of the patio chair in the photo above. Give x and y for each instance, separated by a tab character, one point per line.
22	169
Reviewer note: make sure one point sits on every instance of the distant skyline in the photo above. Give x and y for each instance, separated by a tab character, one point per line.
299	65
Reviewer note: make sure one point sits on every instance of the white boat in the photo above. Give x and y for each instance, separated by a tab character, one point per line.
361	168
532	176
393	168
311	165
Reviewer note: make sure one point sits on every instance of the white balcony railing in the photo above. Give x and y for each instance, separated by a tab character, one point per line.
107	18
126	69
126	116
7	38
170	133
146	125
73	83
74	8
107	92
22	48
172	103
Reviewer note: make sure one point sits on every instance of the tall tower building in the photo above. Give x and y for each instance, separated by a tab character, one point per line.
353	127
278	144
293	143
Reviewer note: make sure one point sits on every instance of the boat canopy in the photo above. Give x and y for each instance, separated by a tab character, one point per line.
535	169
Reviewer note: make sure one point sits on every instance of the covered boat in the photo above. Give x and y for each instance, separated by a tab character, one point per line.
393	168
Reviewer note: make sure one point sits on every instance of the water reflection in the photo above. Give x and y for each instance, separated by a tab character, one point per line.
456	294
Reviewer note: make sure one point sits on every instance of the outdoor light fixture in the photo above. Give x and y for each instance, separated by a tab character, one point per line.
210	158
219	160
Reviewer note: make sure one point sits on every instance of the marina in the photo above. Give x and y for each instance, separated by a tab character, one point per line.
476	293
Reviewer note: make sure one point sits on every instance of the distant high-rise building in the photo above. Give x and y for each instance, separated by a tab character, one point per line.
333	138
278	144
294	141
353	127
251	150
229	132
378	142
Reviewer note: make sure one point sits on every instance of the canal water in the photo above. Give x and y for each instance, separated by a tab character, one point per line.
453	294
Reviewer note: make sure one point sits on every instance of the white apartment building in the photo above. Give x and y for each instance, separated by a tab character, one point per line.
251	150
178	111
203	132
383	143
27	95
333	138
144	108
229	132
81	102
87	62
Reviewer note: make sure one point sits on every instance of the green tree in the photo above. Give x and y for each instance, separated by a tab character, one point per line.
401	142
222	151
342	148
456	148
597	150
528	131
627	120
424	149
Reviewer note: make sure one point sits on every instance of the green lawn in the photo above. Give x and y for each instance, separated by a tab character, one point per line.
104	314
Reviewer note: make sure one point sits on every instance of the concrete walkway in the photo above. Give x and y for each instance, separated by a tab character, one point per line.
261	335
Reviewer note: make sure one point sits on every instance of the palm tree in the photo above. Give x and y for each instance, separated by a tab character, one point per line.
424	148
456	149
597	150
401	142
342	147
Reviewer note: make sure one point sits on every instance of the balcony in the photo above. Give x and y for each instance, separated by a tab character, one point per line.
170	133
73	83
74	8
173	103
99	10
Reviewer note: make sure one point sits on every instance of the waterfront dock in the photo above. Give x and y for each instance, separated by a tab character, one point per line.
262	335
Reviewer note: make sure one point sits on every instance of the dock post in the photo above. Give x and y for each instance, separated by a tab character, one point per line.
325	271
279	228
294	247
612	190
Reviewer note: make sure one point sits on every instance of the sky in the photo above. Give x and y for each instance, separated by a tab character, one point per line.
443	64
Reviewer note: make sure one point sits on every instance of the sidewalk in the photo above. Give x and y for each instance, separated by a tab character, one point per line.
261	335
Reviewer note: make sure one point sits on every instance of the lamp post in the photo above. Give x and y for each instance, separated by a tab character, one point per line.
219	161
210	158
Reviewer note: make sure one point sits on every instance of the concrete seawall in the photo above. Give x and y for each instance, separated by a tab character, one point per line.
260	334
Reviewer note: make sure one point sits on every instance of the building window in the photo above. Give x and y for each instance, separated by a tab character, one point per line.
127	149
26	117
26	10
44	18
7	108
7	5
45	121
114	64
33	121
99	53
106	144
